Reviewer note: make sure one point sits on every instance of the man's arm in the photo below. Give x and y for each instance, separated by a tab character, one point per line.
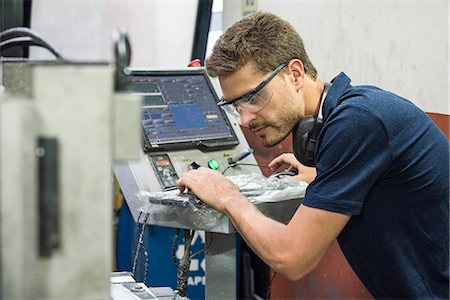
292	250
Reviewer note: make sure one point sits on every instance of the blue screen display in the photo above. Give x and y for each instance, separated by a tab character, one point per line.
180	108
188	116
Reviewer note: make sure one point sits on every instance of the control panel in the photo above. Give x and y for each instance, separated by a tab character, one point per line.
182	129
164	170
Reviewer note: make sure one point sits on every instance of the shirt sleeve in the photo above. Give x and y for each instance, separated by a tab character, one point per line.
352	154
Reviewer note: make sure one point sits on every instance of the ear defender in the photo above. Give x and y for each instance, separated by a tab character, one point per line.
305	133
304	143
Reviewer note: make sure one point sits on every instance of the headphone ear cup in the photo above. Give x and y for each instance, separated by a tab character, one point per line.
306	132
301	143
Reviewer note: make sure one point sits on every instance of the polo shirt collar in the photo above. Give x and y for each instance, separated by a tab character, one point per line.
341	84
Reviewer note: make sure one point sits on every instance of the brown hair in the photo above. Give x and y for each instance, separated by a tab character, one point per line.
263	38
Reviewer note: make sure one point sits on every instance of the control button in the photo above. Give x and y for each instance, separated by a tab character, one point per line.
193	166
213	164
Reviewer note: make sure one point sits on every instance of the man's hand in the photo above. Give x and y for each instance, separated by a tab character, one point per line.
304	173
210	186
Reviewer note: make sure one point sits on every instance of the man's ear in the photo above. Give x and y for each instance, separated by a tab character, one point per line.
296	72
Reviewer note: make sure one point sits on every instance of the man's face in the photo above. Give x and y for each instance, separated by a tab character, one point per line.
276	108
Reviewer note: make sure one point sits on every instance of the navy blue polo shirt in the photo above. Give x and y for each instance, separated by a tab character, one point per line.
383	161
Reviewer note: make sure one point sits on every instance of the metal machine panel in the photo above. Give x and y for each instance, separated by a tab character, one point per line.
69	105
77	111
18	205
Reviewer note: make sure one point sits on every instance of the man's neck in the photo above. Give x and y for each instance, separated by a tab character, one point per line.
313	90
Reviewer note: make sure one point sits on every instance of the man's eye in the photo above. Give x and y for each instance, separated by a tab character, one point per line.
253	99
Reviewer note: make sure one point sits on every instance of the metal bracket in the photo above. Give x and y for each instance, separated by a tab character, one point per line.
49	225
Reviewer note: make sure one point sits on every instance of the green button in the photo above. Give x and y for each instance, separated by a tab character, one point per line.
213	164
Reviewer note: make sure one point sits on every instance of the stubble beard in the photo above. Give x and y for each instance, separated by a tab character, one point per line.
280	128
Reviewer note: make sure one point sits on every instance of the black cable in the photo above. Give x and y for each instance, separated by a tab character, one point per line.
223	172
185	262
23	36
145	263
174	247
244	164
184	265
17	32
141	245
255	165
202	250
27	41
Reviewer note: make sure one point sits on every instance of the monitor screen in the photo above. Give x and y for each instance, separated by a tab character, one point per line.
179	111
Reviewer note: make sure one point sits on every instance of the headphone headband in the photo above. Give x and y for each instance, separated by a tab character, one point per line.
316	129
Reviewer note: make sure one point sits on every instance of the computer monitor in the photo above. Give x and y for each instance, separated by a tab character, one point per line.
179	111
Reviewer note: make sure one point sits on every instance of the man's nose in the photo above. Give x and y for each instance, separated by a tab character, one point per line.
246	118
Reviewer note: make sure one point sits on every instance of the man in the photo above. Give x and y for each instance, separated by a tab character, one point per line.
381	181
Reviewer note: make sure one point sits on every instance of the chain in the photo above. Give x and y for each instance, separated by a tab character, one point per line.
140	245
185	262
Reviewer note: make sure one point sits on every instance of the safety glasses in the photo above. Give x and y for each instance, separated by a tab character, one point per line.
252	101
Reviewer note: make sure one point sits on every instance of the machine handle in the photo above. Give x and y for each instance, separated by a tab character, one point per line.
49	204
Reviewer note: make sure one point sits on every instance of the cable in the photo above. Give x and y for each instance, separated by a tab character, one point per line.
23	36
240	156
140	245
18	32
183	267
202	250
26	41
223	172
185	262
174	247
244	164
255	165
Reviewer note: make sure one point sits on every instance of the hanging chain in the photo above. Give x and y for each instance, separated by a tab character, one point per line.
185	262
140	245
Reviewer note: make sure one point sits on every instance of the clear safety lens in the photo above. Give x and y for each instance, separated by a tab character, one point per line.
256	102
231	109
252	104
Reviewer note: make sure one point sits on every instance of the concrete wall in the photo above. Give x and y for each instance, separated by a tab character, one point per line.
161	32
400	46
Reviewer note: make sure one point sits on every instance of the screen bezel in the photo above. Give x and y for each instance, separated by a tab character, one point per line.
201	144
